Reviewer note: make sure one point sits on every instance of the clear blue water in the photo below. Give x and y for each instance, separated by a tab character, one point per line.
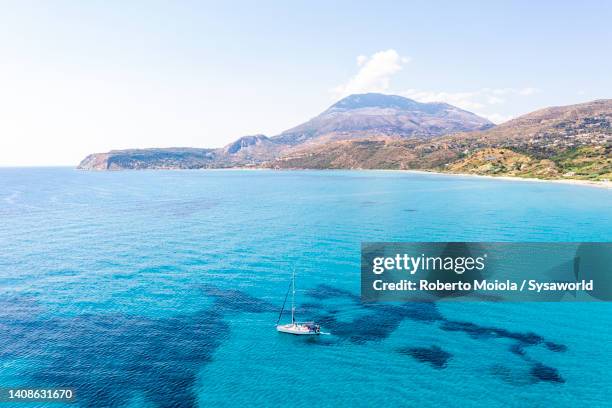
162	288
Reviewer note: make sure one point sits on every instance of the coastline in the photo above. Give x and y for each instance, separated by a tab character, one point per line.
588	183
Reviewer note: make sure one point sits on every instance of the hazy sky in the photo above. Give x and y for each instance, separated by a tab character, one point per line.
89	76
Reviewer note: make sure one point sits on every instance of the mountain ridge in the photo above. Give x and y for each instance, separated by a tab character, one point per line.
388	115
363	131
571	141
358	116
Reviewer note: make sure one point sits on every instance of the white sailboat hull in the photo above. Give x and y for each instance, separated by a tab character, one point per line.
297	329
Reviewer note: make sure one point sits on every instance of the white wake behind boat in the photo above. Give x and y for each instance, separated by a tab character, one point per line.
297	328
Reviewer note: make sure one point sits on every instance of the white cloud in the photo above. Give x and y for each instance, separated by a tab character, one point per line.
495	100
374	73
528	91
464	100
474	101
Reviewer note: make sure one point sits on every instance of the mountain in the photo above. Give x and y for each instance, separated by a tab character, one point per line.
568	141
374	131
167	158
247	150
354	117
251	149
373	153
246	143
546	132
585	162
367	115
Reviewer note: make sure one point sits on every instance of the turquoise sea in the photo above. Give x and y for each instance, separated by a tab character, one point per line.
162	288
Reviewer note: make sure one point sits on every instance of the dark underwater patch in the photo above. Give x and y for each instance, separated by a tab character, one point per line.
372	327
322	292
517	349
237	301
502	372
557	348
541	372
433	355
105	358
477	331
310	308
381	321
109	358
384	319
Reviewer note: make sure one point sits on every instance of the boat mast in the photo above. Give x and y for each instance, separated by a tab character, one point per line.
280	314
293	298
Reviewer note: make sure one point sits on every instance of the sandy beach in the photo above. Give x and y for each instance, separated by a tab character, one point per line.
589	183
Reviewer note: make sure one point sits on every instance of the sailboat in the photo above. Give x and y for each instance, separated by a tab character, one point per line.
299	328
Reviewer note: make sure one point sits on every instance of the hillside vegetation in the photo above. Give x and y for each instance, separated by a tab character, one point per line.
374	131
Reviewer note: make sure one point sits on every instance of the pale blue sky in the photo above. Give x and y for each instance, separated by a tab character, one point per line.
79	77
